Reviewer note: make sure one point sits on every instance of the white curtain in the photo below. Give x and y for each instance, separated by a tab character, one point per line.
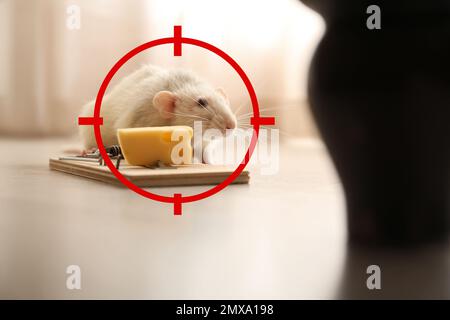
50	66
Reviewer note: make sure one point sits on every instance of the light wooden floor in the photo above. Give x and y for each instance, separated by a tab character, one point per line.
282	236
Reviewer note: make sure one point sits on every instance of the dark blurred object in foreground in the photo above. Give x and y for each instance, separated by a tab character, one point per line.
381	99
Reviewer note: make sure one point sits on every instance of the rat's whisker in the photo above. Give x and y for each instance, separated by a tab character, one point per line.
216	123
244	123
239	108
206	108
256	84
187	115
213	113
192	116
188	96
285	133
250	114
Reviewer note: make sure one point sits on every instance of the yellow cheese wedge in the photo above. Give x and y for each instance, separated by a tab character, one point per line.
149	145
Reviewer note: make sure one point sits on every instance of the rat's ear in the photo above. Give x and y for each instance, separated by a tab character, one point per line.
223	94
164	102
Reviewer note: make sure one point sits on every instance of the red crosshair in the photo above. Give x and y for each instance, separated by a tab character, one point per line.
96	120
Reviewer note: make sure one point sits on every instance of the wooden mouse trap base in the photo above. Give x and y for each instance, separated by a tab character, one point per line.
196	174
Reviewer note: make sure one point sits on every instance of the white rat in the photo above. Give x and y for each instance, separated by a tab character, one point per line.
153	96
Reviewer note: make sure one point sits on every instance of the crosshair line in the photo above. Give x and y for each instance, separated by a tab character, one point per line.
177	209
261	121
88	121
177	41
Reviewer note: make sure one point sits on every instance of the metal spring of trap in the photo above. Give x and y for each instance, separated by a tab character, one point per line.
114	152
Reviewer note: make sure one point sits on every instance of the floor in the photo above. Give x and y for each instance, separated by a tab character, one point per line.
283	236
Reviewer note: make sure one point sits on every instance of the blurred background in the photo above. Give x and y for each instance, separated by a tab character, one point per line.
54	55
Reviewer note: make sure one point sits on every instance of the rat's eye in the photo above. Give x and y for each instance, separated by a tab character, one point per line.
202	102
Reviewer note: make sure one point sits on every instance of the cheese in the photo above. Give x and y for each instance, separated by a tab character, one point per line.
147	146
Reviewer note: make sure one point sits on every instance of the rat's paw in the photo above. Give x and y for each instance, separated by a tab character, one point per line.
77	150
86	151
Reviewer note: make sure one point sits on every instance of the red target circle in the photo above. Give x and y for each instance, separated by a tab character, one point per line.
177	199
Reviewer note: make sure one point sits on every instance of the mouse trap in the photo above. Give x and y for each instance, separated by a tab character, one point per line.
92	166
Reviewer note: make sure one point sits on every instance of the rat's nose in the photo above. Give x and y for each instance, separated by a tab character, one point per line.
231	124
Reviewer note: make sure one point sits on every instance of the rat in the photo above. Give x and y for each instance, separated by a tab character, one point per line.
153	96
